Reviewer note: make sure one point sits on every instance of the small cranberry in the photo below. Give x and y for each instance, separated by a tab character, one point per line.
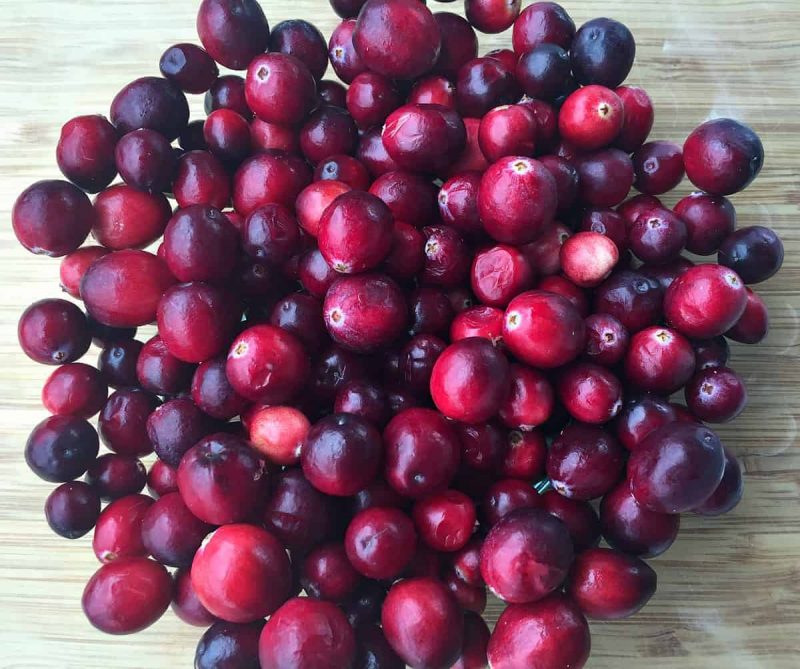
345	60
72	509
579	517
530	400
117	363
162	479
607	340
480	321
85	152
327	132
229	646
123	419
113	476
424	137
716	395
118	533
753	325
638	117
380	542
371	97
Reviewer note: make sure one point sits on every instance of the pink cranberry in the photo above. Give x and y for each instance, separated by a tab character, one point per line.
126	596
605	177
659	360
709	220
526	556
269	178
342	168
579	517
118	533
85	152
716	395
277	432
638	117
481	321
411	439
326	573
445	521
423	623
587	258
542	22
222	480
729	491
171	533
345	60
232	32
591	117
423	137
753	325
241	573
371	97
185	603
380	542
543	329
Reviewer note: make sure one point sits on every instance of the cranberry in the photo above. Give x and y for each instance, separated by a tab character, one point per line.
372	153
75	389
447	257
445	521
526	555
424	137
602	52
632	298
407	255
525	456
458	203
190	67
543	72
433	89
113	476
335	367
729	491
117	363
469	598
722	156
228	136
542	22
185	603
212	392
716	395
410	197
459	43
129	218
298	514
482	446
631	209
589	392
126	596
543	253
562	286
657	236
640	416
483	83
122	422
241	573
529	401
171	533
307	634
591	117
85	152
607	340
161	479
327	574
233	32
72	509
227	645
328	131
118	533
74	266
516	199
476	640
709	220
471	158
543	329
638	119
200	178
145	160
371	97
755	253
343	168
410	439
587	258
152	103
174	427
373	650
271	233
658	167
380	542
378	494
481	321
269	178
566	177
417	359
579	517
160	372
659	360
605	177
499	273
364	607
753	325
345	60
302	40
491	16
266	136
200	244
711	353
423	623
466	563
227	92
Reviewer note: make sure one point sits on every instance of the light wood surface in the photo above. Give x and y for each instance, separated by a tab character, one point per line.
729	589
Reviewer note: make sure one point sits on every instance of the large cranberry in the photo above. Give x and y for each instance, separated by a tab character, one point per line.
542	22
579	517
755	253
424	137
118	533
709	220
171	533
484	83
153	103
269	178
233	31
640	416
380	542
85	152
227	645
602	52
297	513
123	421
659	360
53	332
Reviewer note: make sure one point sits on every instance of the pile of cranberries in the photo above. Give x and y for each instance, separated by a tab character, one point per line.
415	342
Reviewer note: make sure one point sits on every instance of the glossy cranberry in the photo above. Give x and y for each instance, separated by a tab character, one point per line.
543	72
222	480
343	168
542	22
407	255
657	236
469	598
190	67
373	650
632	298
278	432
529	401
524	457
72	509
130	218
423	623
176	426
417	359
271	233
126	596
371	97
85	152
753	325
328	131
471	158
145	160
117	363
658	167
466	563
562	286
506	496
269	178
364	607
410	197
228	136
491	16
372	153
227	92
410	439
605	177
307	634
122	421
755	253
312	202
607	340
152	103
345	60
424	137
716	395
729	491
587	258
602	52
333	368
445	521
722	156
200	178
213	393
302	40
480	321
638	119
75	389
566	178
709	220
160	372
483	447
579	516
74	266
227	645
543	253
659	360
241	573
200	244
185	603
591	117
459	43
500	273
705	301
447	257
114	476
232	31
543	329
476	640
484	83
433	89
458	203
171	533
380	542
640	416
327	574
162	479
640	204
118	533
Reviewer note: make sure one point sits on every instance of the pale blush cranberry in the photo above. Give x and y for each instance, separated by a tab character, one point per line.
123	419
722	156
585	462
709	220
638	117
171	533
185	603
326	573
153	103
424	137
269	178
447	257
397	38
591	117
411	439
380	542
524	456
729	491
658	167
607	340
470	380
229	646
423	623
548	634
705	301
126	596
508	130
342	168
579	517
328	131
716	395
542	22
74	389
241	573
516	199
755	253
530	398
587	258
85	152
118	533
160	372
753	325
526	556
445	521
267	364
543	253
605	177
232	32
298	514
499	273
277	432
632	298
113	476
274	77
480	321
222	480
74	266
659	360
72	509
345	60
484	83
52	218
371	97
676	468
543	329
640	416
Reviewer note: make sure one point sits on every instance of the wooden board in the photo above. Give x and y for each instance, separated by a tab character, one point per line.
729	590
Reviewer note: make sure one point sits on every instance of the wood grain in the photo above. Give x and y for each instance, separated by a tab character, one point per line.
729	590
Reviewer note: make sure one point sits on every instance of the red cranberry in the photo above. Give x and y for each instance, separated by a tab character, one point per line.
417	359
233	32
171	533
273	137
372	153
591	393
362	329
423	623
562	286
200	244
345	60
466	563
227	92
516	200
481	321
709	220
397	38
160	372
129	218
525	456
543	253
607	340
483	83
222	480
632	298
113	476
162	479
729	491
228	136
716	395
705	301
506	496
543	329
328	131
269	178
342	168
410	439
152	103
74	266
312	202
85	152
118	533
371	97
241	573
52	218
447	257
185	603
458	203
755	253
526	556
117	363
529	401
126	596
74	389
459	43
423	137
605	177
659	360
566	177
433	89
468	597
657	236
410	197
72	509
499	273
676	468
380	542
639	417
658	167
579	517
122	422
407	255
632	208
722	156
602	52
327	574
190	67
482	446
145	160
476	640
591	117
542	22
631	528
298	514
302	40
229	646
200	178
307	634
638	119
213	393
445	521
509	130
491	16
753	325
267	364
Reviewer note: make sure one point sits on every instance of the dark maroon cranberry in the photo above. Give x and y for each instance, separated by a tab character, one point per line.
364	607
606	340
722	156
332	93
506	496
447	257
657	236
302	40
579	516
710	353
85	152
542	22
332	369
407	255
458	203
61	448
709	220
424	137
566	178
123	422
130	218
476	640
327	574
636	206
171	533
346	62
114	476
301	315
468	597
176	426
640	416
417	359
227	92
297	513
602	52
190	67
152	103
372	153
105	335
729	491
658	167
347	9
200	244
329	131
753	325
72	509
373	651
160	372
483	447
378	494
212	392
632	298
186	604
343	168
117	363
410	197
229	646
232	31
716	395
431	312
271	233
667	273
544	72
162	479
484	83
371	97
605	177
755	253
227	135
